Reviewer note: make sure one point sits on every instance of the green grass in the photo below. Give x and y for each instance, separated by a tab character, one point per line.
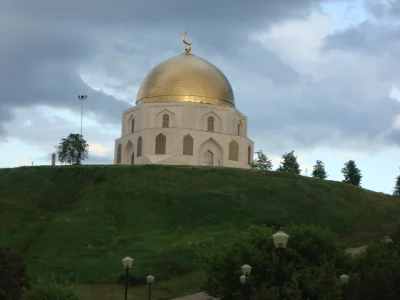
80	221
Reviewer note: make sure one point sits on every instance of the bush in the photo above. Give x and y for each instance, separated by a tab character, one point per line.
314	253
13	277
52	291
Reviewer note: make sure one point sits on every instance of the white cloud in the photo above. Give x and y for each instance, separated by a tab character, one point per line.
298	42
100	150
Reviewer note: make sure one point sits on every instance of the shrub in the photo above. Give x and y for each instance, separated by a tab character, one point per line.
314	253
52	291
13	277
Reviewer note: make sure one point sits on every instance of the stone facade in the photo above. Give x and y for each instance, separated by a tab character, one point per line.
184	133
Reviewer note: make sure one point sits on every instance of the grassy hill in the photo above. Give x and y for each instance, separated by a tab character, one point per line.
79	221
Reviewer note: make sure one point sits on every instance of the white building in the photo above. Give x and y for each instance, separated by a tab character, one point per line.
185	115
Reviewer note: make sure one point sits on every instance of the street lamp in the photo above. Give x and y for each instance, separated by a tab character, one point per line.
280	241
82	97
246	270
344	280
150	280
127	264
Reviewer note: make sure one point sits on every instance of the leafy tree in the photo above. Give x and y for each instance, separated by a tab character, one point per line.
13	276
289	163
308	246
351	173
319	170
262	162
73	149
396	190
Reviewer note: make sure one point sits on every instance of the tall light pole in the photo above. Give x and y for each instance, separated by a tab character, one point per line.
150	280
82	97
127	264
280	241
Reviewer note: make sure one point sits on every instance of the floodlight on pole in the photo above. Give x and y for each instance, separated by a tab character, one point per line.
82	97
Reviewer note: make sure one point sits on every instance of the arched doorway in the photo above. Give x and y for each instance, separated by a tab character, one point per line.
208	158
127	155
133	158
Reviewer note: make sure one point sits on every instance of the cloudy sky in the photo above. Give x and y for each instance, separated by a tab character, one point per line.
318	77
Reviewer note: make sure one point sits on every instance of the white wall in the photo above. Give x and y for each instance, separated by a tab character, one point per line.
185	118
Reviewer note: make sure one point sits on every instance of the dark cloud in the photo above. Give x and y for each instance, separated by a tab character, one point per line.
44	46
367	38
383	9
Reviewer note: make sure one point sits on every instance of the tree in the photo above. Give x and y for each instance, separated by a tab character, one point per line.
289	163
396	190
319	170
73	149
13	275
309	246
351	173
262	162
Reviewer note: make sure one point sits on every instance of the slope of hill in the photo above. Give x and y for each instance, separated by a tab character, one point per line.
79	221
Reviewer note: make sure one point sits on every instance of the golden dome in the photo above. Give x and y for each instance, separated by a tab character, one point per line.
186	78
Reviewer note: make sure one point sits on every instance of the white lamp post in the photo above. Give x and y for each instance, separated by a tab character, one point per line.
344	280
150	280
127	264
280	241
246	270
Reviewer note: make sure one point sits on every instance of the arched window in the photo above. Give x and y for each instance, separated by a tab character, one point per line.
161	142
239	129
188	145
119	153
208	158
133	158
133	125
165	121
210	124
139	146
233	151
249	155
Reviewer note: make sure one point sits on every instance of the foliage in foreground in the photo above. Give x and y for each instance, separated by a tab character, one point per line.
313	262
13	275
51	288
52	291
72	149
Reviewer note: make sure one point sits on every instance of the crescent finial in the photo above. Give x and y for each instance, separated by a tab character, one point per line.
187	48
184	39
